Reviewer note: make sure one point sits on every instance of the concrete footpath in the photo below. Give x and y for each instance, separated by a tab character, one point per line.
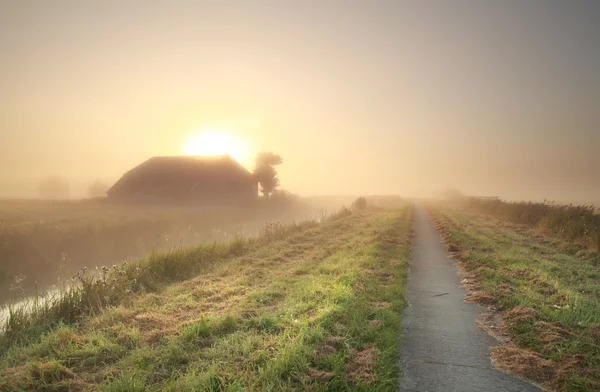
442	347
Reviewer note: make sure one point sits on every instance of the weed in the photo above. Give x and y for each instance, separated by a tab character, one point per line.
359	204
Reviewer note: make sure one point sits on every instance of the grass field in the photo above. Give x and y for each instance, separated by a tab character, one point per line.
579	225
41	241
315	308
544	296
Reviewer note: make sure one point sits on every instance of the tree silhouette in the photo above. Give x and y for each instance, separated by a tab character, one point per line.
54	188
265	173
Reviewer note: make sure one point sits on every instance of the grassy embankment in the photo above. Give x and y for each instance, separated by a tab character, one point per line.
577	225
546	288
41	241
317	308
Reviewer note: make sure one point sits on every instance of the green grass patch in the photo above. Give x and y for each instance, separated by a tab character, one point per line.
550	297
319	308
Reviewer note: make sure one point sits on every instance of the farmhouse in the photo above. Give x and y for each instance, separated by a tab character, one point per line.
190	178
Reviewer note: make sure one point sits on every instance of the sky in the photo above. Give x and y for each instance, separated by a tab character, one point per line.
358	97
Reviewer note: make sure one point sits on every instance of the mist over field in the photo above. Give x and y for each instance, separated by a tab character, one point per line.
387	98
314	195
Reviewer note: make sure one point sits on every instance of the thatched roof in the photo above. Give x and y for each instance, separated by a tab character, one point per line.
183	176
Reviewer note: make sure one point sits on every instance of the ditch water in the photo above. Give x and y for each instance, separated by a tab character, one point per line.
245	230
27	304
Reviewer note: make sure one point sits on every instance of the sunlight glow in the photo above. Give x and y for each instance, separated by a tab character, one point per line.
216	141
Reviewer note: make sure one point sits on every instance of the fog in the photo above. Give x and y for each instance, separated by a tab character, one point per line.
386	97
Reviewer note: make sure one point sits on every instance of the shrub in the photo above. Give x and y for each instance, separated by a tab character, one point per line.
360	204
343	212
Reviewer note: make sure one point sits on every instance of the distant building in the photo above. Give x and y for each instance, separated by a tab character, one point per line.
187	178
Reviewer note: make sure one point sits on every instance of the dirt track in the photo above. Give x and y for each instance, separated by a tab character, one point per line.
442	347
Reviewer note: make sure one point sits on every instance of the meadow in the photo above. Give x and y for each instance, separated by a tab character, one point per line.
308	306
535	266
42	241
577	224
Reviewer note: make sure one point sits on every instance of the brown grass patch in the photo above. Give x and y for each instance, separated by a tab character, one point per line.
319	375
480	297
542	286
523	363
594	332
155	337
453	248
329	346
550	334
360	365
334	341
472	284
520	314
505	290
492	323
380	305
385	275
393	262
325	349
150	321
58	375
202	292
64	337
13	371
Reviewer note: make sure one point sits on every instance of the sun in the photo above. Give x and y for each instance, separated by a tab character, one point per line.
216	141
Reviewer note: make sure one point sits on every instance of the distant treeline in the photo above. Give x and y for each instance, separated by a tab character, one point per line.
576	223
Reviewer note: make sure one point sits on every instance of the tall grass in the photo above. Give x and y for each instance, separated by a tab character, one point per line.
46	241
575	223
91	292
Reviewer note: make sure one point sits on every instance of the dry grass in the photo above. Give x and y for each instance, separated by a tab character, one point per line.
520	314
361	362
523	363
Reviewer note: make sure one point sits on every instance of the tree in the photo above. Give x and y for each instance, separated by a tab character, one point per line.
97	189
265	173
54	188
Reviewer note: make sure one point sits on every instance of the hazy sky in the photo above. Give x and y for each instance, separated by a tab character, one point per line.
493	97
